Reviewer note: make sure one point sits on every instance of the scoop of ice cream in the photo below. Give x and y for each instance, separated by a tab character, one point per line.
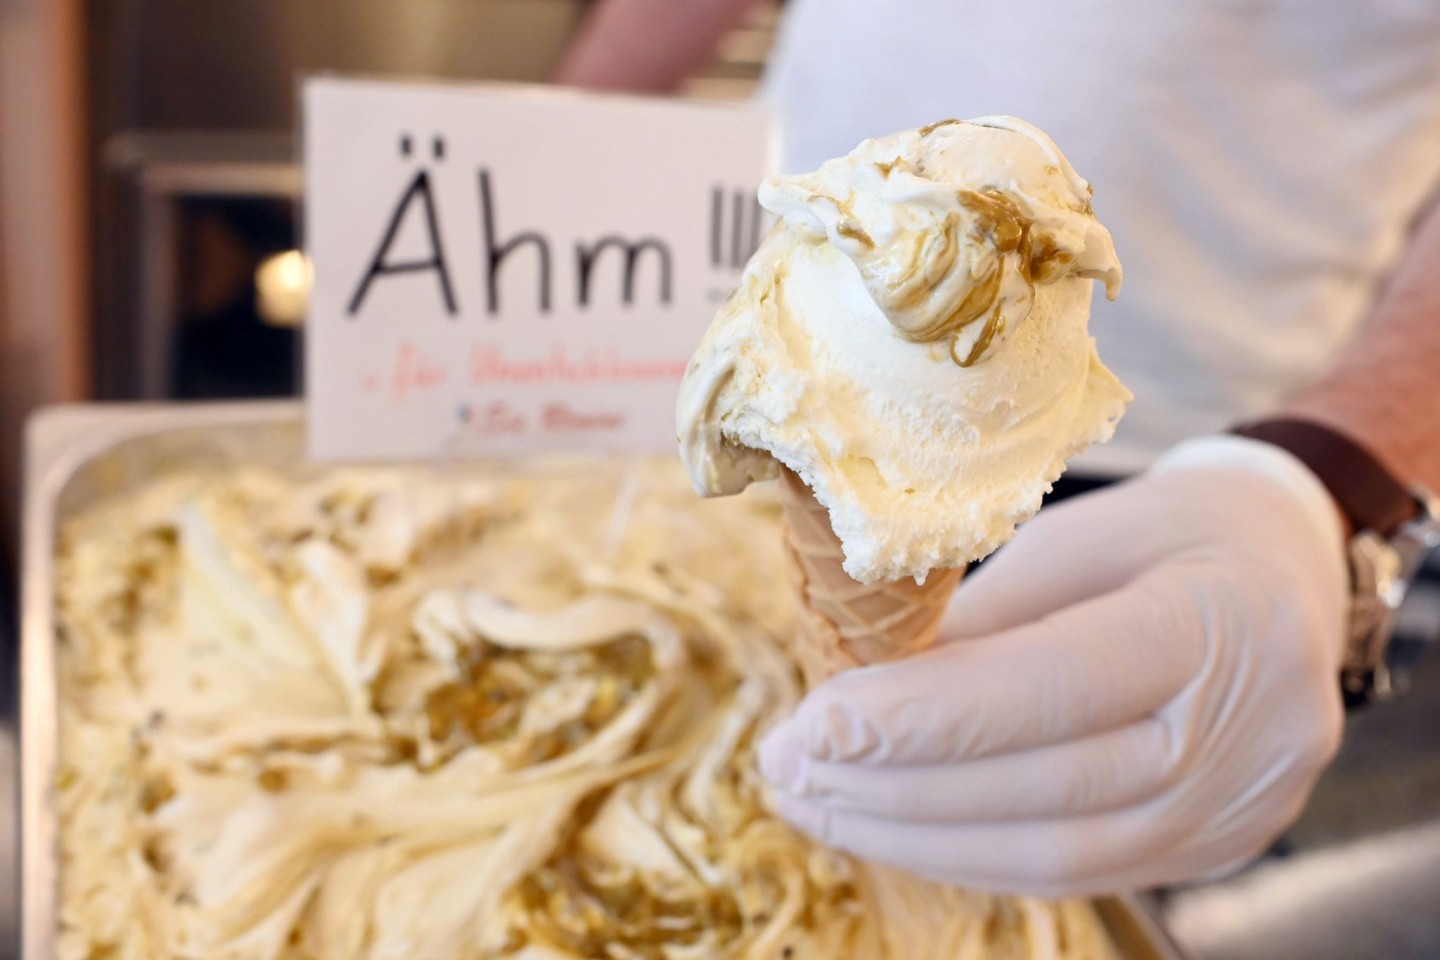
911	340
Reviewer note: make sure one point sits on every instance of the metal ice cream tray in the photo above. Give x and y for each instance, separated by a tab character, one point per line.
79	455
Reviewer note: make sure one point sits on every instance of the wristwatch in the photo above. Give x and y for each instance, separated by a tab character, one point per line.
1393	529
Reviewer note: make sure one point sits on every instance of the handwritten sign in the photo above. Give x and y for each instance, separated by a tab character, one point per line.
504	270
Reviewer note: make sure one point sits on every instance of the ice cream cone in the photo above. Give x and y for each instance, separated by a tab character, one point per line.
844	623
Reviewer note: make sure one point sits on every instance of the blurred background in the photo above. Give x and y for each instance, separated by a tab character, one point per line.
148	180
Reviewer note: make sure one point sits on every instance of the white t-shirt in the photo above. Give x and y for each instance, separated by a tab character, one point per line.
1259	162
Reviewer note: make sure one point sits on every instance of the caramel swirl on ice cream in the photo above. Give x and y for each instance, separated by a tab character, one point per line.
911	341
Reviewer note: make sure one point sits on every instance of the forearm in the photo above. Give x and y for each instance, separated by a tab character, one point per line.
647	45
1385	391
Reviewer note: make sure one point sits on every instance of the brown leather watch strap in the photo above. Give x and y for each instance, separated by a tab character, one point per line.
1366	491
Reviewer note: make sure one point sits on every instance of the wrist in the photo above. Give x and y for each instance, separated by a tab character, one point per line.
1393	429
1391	527
1368	492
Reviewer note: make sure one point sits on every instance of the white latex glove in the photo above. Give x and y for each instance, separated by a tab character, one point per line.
1141	688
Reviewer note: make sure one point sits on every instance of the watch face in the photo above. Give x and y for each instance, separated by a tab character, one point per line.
1395	607
1377	589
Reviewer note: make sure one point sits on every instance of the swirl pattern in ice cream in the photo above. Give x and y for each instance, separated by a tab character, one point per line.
375	716
911	340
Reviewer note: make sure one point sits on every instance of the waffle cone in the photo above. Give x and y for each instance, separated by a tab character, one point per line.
844	623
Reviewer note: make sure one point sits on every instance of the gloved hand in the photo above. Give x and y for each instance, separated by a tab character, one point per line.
1141	688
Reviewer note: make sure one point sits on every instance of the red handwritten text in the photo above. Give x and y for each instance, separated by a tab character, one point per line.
561	418
489	364
415	371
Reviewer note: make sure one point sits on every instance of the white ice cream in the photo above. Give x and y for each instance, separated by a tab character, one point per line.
911	340
379	716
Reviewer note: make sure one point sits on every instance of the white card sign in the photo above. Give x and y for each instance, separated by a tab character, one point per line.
502	270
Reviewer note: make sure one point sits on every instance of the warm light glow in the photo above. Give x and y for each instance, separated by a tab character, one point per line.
282	285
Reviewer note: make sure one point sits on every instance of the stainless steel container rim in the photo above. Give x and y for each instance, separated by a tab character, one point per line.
58	441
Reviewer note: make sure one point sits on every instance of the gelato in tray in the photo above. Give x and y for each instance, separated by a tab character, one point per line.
442	715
